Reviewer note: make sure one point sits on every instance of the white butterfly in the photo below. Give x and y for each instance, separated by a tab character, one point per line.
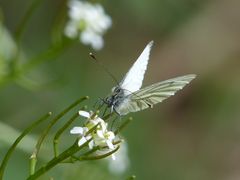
128	97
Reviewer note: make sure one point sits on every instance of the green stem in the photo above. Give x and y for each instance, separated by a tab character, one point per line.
52	52
61	130
59	22
52	123
12	148
123	125
56	160
97	148
33	162
49	54
84	158
131	177
22	25
91	151
19	32
59	133
106	117
86	154
73	149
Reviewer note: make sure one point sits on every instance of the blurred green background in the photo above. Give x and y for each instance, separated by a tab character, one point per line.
193	135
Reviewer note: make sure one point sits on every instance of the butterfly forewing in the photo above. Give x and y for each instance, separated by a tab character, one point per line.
133	79
153	94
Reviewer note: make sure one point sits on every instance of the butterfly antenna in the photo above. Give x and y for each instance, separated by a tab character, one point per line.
104	68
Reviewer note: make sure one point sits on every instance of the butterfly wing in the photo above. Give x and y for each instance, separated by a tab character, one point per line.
153	94
133	79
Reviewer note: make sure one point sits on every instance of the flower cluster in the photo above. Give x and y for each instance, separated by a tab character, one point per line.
101	137
89	22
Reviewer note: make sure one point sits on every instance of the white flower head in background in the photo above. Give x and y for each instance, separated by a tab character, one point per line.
101	137
88	22
8	49
122	162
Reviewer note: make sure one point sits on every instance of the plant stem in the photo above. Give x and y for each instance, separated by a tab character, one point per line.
61	130
52	52
56	160
22	25
131	177
106	117
84	158
123	125
20	30
33	159
59	133
59	22
73	149
12	148
86	154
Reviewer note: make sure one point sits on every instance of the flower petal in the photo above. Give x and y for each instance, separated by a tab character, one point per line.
110	135
84	113
82	141
110	144
85	130
77	130
91	144
88	137
100	133
92	38
71	30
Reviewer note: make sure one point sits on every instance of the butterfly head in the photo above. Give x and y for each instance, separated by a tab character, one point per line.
115	97
116	90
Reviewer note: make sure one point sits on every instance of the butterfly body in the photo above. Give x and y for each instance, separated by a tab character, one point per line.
127	96
115	99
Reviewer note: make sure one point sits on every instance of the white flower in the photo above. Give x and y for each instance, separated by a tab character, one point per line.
90	37
89	22
82	133
93	119
101	136
105	138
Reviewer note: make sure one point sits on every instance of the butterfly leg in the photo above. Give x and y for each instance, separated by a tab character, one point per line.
105	110
113	122
113	109
116	122
100	102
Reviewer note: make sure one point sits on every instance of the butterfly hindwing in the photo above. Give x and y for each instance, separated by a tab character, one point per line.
153	94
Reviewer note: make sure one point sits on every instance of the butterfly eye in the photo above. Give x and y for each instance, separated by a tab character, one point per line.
117	90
